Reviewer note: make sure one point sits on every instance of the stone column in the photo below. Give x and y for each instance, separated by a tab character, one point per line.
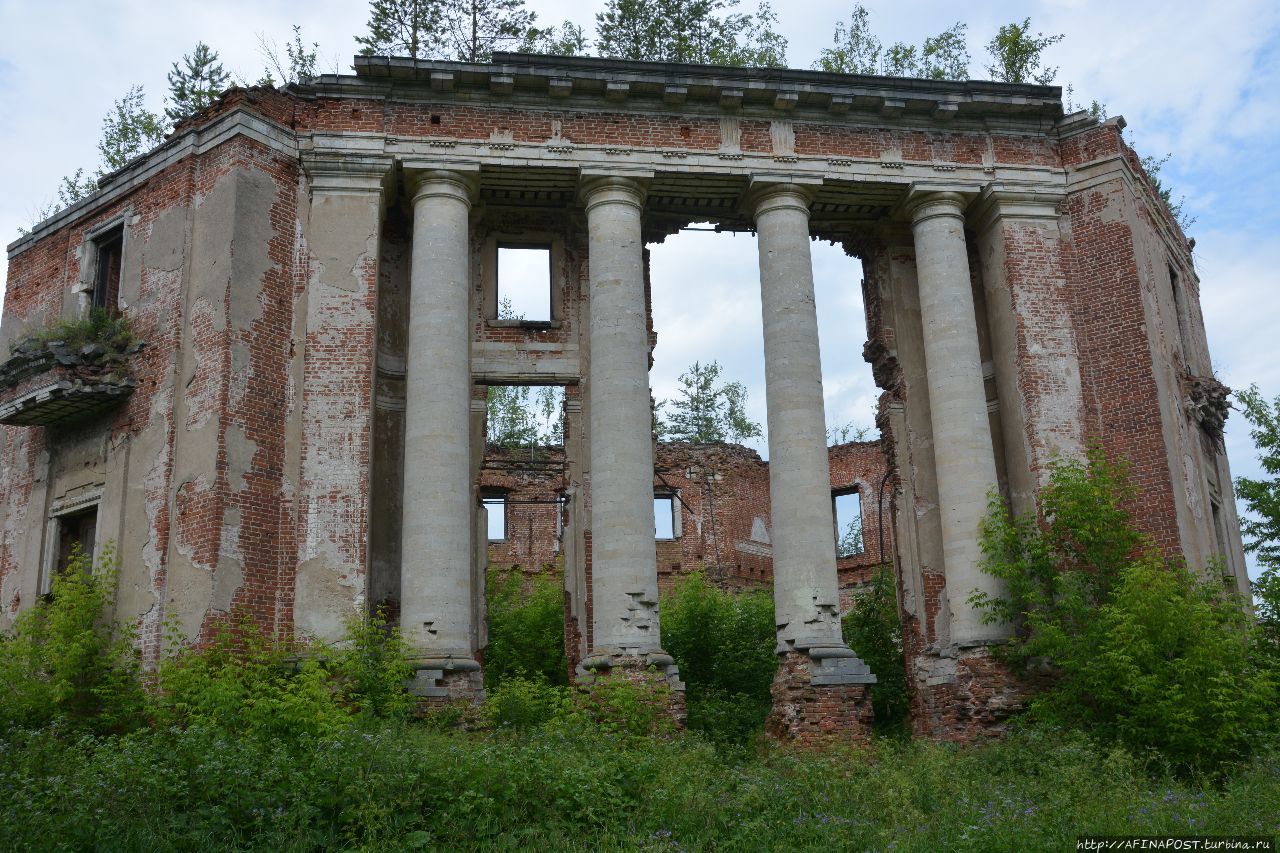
806	589
437	530
624	572
963	457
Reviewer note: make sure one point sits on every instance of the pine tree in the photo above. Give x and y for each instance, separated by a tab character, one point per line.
413	28
476	28
698	31
568	39
196	85
707	411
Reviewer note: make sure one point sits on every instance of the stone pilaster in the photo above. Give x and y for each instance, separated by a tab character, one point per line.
815	659
1033	340
624	572
436	607
339	311
963	455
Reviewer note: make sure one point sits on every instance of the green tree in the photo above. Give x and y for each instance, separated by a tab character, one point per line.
64	660
858	50
128	130
707	410
723	643
1138	650
1262	496
526	628
476	28
697	31
568	39
1018	56
1261	526
413	28
873	629
298	64
195	84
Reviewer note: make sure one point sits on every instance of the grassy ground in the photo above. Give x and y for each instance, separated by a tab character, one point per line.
405	787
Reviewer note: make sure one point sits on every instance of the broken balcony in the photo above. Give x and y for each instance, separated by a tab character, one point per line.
54	383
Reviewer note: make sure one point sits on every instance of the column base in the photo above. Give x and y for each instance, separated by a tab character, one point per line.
965	697
821	697
446	680
654	673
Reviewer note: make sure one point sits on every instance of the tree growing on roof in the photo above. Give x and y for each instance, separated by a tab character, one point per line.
698	31
195	83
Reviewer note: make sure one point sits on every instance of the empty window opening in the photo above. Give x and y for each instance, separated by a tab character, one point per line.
1219	532
72	533
664	521
525	419
106	277
1182	336
496	510
524	283
847	507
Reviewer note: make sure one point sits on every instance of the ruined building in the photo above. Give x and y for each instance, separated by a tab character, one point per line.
315	275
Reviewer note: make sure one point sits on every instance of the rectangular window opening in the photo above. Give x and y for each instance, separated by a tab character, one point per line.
524	283
664	508
1219	532
71	533
106	277
847	510
496	506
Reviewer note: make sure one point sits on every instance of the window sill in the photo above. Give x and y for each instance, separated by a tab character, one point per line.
531	325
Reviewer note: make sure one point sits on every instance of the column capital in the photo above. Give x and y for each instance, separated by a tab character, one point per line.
769	192
999	201
332	172
631	189
458	182
924	203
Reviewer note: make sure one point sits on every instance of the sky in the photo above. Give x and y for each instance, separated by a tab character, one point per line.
1197	81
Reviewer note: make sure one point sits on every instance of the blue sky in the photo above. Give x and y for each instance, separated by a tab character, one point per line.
1198	81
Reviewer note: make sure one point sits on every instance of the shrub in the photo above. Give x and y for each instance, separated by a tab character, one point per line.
526	629
372	669
1141	652
724	644
249	684
523	703
614	704
64	662
873	629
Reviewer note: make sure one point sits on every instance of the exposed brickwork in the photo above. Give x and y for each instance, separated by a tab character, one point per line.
814	715
646	678
973	702
249	450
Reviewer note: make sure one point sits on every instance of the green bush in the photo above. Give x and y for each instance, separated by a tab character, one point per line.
372	668
1139	651
724	644
248	683
614	704
97	327
522	703
391	787
526	629
873	629
64	662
